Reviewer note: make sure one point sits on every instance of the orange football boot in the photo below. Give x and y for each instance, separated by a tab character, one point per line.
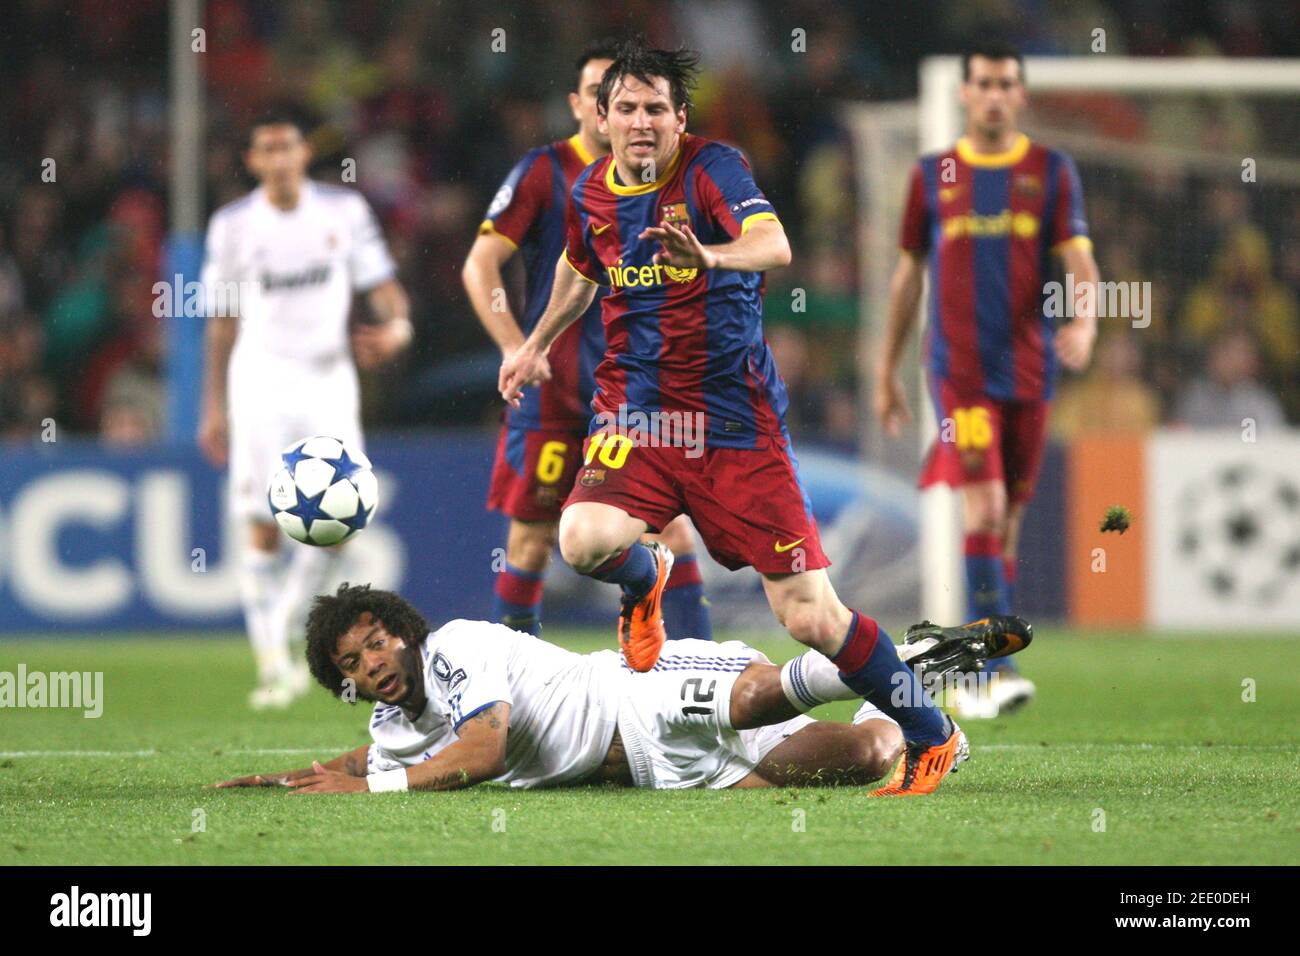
922	767
641	632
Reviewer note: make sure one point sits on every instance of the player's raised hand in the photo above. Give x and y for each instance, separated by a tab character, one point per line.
322	780
679	247
890	403
524	366
214	436
1074	344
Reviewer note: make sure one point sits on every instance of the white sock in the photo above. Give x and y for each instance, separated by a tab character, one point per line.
811	680
260	575
310	573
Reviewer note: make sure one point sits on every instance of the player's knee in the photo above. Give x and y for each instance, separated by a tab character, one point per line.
530	546
584	545
876	753
755	695
677	536
986	515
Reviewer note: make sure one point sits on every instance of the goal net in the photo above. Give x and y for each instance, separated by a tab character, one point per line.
1190	185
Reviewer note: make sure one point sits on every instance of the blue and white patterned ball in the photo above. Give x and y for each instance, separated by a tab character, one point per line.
325	492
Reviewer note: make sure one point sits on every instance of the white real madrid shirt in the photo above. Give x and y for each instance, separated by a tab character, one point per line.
294	271
563	706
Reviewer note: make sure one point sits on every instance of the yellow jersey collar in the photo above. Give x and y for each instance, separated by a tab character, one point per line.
576	142
619	189
993	160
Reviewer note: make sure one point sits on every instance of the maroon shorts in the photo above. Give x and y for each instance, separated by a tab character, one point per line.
533	472
984	439
747	504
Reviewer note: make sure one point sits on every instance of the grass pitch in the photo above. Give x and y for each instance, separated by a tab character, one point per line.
1138	751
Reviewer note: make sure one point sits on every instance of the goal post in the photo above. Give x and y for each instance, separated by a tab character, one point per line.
1071	102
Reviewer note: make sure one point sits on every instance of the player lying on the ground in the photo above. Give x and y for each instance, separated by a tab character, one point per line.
475	701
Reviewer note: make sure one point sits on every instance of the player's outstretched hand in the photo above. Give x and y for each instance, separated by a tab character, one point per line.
1074	345
680	247
256	780
524	366
214	436
890	403
321	780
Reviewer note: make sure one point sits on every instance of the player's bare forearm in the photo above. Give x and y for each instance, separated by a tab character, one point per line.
485	287
905	287
479	754
1078	261
380	341
219	342
389	302
571	296
764	246
1074	339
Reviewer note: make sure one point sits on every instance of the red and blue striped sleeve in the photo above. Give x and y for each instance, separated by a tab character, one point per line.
727	192
577	249
523	197
1068	222
914	230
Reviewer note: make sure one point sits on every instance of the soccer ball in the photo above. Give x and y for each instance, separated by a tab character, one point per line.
325	493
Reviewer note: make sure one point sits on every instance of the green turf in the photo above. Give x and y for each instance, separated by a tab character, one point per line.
1152	732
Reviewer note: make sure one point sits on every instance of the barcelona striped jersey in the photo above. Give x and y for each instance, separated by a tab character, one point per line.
528	211
679	340
989	223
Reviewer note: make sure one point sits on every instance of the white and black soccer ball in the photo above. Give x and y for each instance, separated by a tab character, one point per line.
325	492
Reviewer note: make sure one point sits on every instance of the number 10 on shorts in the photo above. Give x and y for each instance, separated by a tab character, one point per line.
610	448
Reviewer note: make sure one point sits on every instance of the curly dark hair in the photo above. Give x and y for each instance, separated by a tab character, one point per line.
636	58
332	616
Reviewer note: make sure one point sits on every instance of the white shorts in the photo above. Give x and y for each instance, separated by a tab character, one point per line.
276	403
675	720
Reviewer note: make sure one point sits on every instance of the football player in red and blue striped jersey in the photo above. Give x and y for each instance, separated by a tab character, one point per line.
989	215
689	406
540	444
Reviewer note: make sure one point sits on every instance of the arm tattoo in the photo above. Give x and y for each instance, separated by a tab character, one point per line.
489	715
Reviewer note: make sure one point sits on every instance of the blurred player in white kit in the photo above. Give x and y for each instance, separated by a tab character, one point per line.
280	269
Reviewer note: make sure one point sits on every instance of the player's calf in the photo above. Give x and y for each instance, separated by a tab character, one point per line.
517	590
824	754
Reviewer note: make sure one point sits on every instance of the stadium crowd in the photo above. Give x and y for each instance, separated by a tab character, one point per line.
82	228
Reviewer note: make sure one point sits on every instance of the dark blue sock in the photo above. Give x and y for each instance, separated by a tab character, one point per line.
634	570
517	599
869	665
686	609
986	583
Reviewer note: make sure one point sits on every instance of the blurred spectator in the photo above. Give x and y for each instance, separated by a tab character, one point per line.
1241	291
433	119
1229	392
27	397
1111	398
